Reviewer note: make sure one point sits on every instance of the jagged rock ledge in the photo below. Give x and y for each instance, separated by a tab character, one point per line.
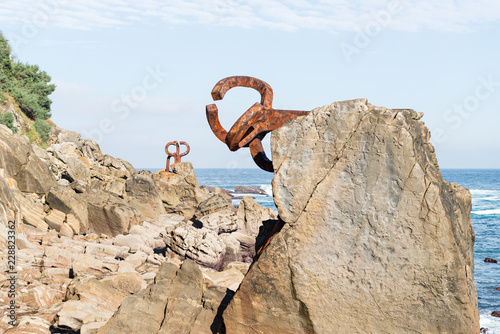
92	228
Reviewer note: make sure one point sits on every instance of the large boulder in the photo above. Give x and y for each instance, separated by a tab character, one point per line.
110	214
177	302
20	162
142	195
374	240
179	190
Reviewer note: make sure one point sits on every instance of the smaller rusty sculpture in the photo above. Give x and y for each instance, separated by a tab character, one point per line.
177	155
254	124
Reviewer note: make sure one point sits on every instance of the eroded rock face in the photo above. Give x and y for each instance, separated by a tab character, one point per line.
142	195
177	302
251	215
20	163
374	240
110	214
179	190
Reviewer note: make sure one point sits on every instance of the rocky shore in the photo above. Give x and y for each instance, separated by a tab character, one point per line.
369	238
92	231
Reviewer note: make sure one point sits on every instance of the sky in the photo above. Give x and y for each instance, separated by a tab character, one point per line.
135	75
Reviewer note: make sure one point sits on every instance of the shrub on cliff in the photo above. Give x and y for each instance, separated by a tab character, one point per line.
7	119
27	84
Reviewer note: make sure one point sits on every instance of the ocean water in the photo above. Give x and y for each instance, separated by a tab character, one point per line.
484	186
227	178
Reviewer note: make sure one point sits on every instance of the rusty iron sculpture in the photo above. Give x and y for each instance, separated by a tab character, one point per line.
254	124
176	155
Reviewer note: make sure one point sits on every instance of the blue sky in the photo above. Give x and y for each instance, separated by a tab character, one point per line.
136	75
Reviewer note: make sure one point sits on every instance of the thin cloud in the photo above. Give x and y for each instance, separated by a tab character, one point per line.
288	15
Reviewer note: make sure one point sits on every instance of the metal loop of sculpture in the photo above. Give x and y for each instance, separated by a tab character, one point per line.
254	124
176	155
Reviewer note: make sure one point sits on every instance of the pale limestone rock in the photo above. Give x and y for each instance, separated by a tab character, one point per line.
86	264
101	250
126	267
127	283
175	303
116	186
31	325
66	200
55	219
179	190
241	266
110	214
19	162
229	278
251	215
199	244
374	241
38	296
66	231
32	211
220	221
137	259
142	195
88	300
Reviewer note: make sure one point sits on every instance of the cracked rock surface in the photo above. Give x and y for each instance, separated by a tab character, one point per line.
374	240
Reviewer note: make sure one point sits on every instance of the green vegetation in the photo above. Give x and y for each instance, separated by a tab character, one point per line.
29	87
42	128
7	119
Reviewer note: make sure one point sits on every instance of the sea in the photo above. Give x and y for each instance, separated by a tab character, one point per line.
484	185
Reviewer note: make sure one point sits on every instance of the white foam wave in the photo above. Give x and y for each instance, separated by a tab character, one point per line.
484	192
487	212
492	323
267	188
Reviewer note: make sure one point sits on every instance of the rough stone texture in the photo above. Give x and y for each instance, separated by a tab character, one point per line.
175	303
20	163
179	190
10	209
374	240
66	200
199	244
251	215
110	214
143	196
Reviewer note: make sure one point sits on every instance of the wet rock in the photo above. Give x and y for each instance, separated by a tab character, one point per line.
490	260
495	314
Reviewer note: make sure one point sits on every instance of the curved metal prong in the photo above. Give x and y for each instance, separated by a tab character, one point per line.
259	155
213	120
266	92
188	149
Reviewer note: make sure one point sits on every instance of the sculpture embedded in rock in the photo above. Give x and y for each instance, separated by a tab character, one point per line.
374	240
